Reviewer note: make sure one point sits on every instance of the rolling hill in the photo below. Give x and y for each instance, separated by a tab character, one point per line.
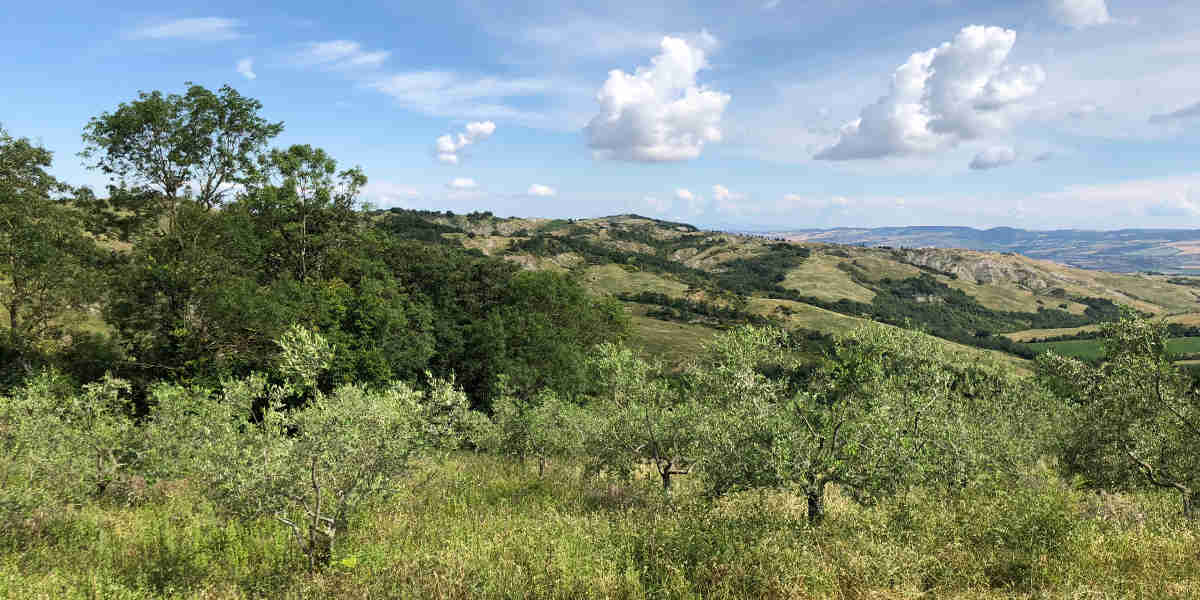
681	284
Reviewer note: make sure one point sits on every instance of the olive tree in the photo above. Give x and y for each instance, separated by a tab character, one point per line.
310	467
886	410
60	444
1135	420
637	418
545	427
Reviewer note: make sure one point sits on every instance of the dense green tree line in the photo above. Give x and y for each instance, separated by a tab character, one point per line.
209	244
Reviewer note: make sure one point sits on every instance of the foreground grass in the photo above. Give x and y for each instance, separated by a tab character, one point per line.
479	527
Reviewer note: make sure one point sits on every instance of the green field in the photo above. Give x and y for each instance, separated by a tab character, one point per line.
1092	349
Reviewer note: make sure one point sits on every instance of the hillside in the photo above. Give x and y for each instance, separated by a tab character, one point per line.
1123	251
681	283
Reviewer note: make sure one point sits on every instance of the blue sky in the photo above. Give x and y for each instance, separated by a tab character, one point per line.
774	114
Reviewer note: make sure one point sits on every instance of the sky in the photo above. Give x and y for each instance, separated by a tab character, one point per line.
745	115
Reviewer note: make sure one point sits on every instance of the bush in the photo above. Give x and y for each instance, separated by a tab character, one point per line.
1135	418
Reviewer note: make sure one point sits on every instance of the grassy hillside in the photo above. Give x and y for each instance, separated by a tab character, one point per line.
987	300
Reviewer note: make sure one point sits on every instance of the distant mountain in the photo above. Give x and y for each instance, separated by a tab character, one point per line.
1124	251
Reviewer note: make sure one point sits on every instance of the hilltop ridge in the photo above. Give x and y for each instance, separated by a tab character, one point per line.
681	282
1124	250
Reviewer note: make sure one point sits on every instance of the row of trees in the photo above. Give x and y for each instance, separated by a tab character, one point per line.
209	244
888	410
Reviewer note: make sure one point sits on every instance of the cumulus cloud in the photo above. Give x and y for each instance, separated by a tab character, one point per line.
245	68
542	191
448	147
207	29
721	192
462	183
1079	13
1185	113
340	54
961	90
996	156
660	112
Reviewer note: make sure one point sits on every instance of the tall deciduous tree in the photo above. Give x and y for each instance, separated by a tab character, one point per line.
45	257
301	201
168	151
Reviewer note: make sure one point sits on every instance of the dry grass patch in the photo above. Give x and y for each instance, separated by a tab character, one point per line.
819	276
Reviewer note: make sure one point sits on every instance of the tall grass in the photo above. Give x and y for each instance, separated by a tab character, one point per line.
484	527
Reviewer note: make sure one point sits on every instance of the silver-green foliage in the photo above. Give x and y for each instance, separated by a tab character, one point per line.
60	445
309	467
1135	419
545	427
887	410
636	418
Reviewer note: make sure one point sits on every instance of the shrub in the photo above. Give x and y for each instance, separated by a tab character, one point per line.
1135	418
62	445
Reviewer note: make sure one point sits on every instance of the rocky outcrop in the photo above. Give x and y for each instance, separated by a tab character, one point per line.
982	268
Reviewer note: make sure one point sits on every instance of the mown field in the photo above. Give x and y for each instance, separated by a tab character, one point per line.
1093	349
484	527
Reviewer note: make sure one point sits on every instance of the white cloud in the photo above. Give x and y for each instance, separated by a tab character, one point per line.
208	29
996	156
660	112
1079	13
1126	201
340	54
446	94
726	200
961	90
462	183
245	68
448	147
695	202
770	4
542	191
1183	114
1183	204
